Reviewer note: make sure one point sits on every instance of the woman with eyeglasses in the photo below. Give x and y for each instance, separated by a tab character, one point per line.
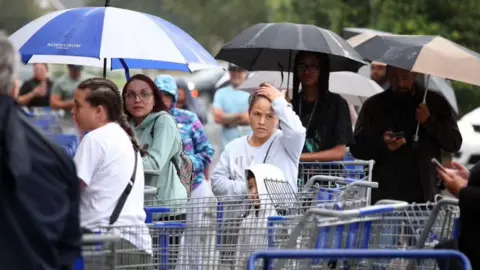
159	138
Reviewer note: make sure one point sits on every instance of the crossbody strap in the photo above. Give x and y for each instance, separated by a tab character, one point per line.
268	150
152	134
125	193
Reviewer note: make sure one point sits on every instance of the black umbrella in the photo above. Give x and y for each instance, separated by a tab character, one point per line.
273	46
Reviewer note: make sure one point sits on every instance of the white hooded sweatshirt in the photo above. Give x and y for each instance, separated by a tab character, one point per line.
253	231
228	178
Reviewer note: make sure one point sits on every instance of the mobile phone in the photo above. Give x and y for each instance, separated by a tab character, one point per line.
437	163
398	135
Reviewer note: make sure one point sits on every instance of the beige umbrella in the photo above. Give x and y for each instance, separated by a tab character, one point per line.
431	55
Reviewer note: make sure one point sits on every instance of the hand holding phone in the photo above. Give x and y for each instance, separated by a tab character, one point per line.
398	135
439	165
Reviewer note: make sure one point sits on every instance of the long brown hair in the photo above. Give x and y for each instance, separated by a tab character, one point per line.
157	107
105	93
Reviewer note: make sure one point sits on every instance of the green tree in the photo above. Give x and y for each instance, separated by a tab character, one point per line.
16	13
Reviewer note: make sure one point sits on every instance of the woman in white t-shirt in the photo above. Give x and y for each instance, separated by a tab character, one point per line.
105	161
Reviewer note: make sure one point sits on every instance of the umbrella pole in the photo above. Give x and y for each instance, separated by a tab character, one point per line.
415	137
107	4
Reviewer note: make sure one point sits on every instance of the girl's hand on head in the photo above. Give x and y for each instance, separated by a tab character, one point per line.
269	91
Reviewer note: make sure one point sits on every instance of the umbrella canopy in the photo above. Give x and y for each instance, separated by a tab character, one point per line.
273	47
432	55
125	38
350	32
351	86
436	84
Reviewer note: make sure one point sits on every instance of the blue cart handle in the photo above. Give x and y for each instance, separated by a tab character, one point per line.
358	254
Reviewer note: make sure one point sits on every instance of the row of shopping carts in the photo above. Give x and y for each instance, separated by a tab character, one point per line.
52	124
331	215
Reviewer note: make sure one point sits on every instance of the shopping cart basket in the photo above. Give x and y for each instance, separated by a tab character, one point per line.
153	246
389	225
100	250
340	254
348	169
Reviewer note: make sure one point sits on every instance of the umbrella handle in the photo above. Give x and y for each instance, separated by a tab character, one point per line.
415	137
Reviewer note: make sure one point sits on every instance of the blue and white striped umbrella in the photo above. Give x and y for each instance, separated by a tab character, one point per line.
127	39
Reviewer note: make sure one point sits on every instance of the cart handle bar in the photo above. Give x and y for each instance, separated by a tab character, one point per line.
361	212
357	254
341	180
99	238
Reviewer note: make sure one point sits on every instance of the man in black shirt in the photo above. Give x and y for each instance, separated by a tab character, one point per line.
36	91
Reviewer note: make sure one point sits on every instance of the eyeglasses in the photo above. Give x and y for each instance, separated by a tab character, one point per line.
311	68
132	96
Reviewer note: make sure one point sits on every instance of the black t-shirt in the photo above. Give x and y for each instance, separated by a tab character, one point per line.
28	87
327	121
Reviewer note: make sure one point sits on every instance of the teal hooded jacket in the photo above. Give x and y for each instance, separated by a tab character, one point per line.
162	147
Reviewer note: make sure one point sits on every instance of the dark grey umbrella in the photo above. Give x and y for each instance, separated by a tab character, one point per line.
273	47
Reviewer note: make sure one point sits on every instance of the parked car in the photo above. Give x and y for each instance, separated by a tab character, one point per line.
469	126
206	81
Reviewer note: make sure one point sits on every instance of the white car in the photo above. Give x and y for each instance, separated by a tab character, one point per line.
469	126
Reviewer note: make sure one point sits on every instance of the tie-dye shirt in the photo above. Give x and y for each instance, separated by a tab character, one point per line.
195	143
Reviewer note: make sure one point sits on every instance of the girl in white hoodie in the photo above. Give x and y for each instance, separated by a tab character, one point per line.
253	231
268	110
282	147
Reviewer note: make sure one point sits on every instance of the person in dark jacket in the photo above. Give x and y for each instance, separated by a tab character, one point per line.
465	185
39	189
324	114
384	132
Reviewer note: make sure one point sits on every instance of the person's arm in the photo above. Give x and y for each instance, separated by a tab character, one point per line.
226	119
160	151
369	142
26	94
353	114
342	134
230	119
56	101
203	150
222	184
443	128
293	132
87	157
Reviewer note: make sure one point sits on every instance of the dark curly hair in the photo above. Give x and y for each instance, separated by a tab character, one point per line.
105	93
159	105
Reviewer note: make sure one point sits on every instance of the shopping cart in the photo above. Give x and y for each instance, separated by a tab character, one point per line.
153	246
99	250
441	226
341	254
389	225
68	142
360	170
